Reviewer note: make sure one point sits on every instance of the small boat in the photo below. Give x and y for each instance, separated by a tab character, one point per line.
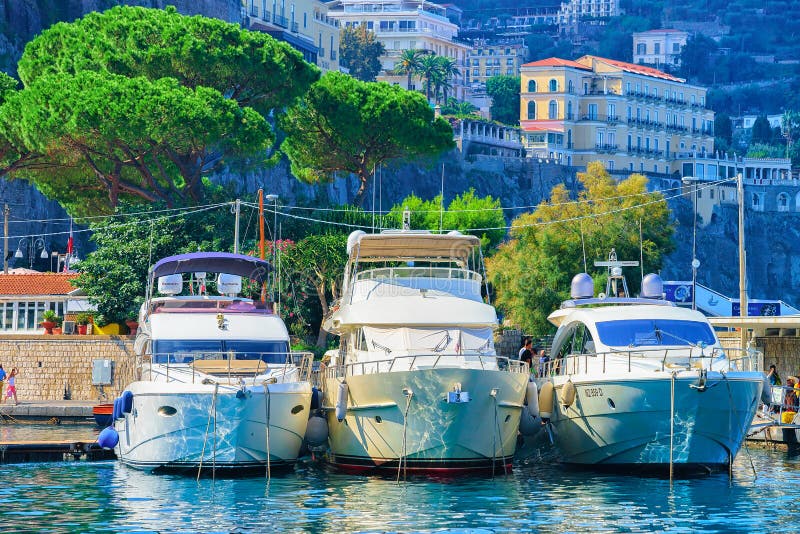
639	383
102	414
417	386
218	387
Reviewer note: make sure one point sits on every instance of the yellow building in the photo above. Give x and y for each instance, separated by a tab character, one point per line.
628	116
304	24
493	59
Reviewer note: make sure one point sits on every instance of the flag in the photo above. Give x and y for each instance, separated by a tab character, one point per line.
70	247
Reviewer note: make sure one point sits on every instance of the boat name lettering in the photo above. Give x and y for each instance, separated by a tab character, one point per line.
593	392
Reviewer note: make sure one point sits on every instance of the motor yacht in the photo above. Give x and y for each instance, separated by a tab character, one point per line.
416	386
217	386
639	382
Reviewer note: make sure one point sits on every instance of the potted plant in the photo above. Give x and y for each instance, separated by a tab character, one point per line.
82	319
49	321
131	322
57	329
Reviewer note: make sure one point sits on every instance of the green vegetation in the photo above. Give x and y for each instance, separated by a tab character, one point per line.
531	273
504	91
139	104
343	124
360	52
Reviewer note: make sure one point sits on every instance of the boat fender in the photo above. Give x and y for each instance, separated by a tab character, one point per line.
127	402
568	394
546	401
317	431
108	438
766	391
117	412
528	424
532	399
315	396
341	402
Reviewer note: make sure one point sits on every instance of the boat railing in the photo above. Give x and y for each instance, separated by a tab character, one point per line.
229	364
783	405
427	361
726	360
388	273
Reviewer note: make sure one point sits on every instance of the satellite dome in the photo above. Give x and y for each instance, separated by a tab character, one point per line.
454	232
582	286
652	287
353	238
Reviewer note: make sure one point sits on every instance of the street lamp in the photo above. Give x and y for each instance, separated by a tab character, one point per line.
695	262
32	246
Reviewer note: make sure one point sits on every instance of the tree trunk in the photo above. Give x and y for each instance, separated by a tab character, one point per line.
323	334
408	84
363	176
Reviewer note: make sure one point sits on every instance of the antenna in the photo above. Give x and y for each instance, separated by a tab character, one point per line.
583	246
441	204
641	251
615	276
406	218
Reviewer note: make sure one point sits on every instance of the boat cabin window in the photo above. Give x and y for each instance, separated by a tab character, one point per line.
654	332
187	351
578	340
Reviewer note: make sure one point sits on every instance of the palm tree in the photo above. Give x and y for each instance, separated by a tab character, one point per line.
448	69
428	69
409	64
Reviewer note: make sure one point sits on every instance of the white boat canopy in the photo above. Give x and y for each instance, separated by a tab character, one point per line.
407	246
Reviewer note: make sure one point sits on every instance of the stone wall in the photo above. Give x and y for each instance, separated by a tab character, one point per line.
783	352
508	342
49	363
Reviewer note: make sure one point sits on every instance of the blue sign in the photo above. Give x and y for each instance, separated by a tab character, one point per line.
678	292
757	308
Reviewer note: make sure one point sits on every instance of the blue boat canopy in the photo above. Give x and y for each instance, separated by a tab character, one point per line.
214	262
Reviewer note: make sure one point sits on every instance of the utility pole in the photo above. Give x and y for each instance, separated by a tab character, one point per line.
6	212
742	263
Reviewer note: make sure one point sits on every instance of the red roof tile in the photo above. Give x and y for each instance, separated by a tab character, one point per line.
631	67
37	284
556	62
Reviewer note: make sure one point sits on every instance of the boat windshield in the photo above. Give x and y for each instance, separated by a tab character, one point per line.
644	332
186	351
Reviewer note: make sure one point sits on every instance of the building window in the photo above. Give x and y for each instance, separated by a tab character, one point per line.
553	86
570	87
531	110
611	165
783	202
656	48
531	86
641	48
305	20
676	48
592	111
552	110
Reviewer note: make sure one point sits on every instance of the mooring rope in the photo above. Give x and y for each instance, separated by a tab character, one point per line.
671	427
268	408
214	454
403	459
744	441
205	437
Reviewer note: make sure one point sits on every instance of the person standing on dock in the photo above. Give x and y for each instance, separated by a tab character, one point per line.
12	386
2	382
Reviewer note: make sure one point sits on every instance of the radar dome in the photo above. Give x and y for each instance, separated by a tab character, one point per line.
582	286
353	238
454	232
652	287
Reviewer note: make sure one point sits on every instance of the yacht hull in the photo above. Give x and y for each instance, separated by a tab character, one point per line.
440	437
175	430
619	422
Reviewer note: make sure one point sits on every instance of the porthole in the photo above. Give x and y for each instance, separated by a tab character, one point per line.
378	419
167	411
297	409
611	404
508	417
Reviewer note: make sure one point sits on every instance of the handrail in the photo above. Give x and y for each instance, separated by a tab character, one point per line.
681	357
291	361
452	273
440	361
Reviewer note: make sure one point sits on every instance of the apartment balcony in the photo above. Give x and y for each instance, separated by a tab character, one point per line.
606	147
333	55
702	131
321	52
646	152
278	20
610	119
295	27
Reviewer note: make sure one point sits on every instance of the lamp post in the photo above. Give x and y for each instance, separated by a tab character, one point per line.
742	262
32	245
695	262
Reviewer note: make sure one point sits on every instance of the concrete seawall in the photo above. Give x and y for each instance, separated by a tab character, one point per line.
55	367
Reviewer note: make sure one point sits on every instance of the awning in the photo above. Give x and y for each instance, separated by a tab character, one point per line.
410	246
80	305
214	262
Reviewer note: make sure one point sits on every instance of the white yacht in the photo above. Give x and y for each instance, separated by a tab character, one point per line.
218	387
639	382
417	386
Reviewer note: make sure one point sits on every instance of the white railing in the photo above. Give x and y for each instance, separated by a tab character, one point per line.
446	273
427	361
227	365
665	359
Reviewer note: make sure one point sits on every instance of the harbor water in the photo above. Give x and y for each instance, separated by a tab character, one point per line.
108	497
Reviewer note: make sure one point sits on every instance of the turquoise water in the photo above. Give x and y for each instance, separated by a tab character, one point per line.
105	496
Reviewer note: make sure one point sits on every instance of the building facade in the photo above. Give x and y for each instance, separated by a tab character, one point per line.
25	297
406	25
493	58
574	11
304	24
630	117
659	48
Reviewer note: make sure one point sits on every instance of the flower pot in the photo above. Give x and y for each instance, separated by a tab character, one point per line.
48	327
81	329
57	331
132	326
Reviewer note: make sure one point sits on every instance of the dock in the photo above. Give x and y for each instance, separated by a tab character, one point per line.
52	451
56	411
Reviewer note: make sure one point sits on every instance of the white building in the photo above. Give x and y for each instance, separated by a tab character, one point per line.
659	48
406	25
575	11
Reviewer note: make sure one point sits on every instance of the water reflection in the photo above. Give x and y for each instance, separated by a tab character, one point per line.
109	497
